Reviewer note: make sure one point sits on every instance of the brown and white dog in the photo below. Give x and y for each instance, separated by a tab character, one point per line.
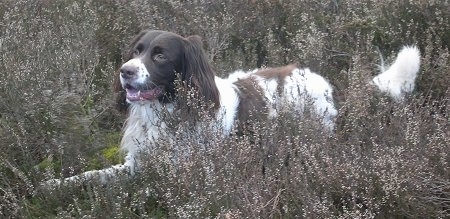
146	86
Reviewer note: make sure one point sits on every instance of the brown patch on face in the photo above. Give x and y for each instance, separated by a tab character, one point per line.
252	105
278	74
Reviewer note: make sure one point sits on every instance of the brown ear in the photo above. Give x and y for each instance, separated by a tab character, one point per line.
198	72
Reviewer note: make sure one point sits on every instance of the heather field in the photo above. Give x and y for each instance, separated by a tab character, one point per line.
384	160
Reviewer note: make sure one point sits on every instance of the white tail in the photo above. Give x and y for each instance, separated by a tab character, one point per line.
400	77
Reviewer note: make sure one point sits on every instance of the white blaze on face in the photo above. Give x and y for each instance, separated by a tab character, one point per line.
142	74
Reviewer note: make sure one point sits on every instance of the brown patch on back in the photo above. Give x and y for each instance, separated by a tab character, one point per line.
278	74
252	105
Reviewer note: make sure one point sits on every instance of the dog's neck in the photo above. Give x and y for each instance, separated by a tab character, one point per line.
147	120
144	125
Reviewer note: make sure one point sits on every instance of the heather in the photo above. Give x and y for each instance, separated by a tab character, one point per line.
384	160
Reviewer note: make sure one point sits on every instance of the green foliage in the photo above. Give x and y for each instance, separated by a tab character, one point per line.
110	154
49	163
58	60
113	154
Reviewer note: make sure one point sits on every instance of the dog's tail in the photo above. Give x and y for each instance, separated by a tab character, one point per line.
400	77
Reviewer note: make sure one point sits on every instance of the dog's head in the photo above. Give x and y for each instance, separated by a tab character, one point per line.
154	62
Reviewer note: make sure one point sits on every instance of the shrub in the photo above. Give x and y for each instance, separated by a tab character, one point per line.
384	160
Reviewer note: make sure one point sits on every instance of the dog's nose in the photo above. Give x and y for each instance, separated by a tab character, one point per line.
128	71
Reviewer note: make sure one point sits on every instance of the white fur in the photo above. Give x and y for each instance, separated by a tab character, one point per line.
316	89
143	127
400	77
229	101
300	87
142	73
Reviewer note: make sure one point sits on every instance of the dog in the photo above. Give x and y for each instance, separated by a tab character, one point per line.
146	87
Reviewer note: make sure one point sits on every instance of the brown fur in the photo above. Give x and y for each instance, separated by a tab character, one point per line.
199	72
252	105
187	58
279	74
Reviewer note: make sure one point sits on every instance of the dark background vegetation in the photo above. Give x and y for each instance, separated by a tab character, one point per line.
386	160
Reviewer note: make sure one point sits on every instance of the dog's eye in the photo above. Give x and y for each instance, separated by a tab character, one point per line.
159	57
136	52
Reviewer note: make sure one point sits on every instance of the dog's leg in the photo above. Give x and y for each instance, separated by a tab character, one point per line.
102	176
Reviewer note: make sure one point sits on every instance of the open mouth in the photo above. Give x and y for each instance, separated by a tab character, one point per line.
134	94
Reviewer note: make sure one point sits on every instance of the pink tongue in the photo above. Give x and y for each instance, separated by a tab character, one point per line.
135	95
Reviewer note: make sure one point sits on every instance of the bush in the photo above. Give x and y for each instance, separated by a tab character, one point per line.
385	160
